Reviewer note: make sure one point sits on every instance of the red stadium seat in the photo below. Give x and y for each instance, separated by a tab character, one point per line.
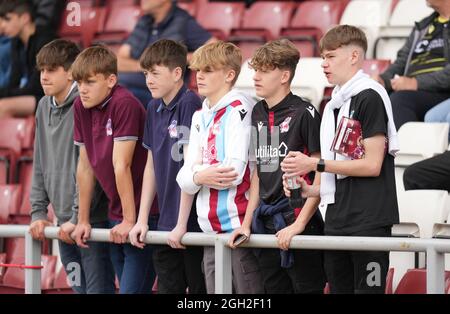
2	269
264	21
15	277
190	7
92	21
10	201
414	281
14	247
119	24
119	3
25	177
375	67
219	18
248	48
17	134
311	20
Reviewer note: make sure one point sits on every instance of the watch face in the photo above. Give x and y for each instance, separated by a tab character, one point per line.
321	165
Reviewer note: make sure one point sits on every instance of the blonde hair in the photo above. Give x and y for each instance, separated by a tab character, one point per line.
216	56
278	54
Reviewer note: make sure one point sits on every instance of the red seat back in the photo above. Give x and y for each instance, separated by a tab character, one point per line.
220	18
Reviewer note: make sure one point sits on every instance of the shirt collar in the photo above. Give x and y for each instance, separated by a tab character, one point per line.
108	98
280	105
55	105
171	106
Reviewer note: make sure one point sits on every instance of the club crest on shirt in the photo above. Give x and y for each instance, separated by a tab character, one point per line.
284	126
209	154
197	126
109	130
173	133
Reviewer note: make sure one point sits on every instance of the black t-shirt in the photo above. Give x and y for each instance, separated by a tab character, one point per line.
428	55
295	126
364	203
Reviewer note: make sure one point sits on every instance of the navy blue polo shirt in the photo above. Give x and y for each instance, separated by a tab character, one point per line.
178	26
166	131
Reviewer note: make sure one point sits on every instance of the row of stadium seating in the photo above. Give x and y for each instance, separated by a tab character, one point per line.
384	21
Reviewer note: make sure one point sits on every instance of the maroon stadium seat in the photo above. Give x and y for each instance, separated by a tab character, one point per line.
92	21
190	7
264	21
15	277
120	3
219	18
16	134
414	281
25	177
119	24
10	201
375	67
2	269
311	20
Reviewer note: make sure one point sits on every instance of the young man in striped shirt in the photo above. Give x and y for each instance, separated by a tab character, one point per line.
217	161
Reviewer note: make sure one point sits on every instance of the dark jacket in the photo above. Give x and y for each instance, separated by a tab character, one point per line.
433	82
33	87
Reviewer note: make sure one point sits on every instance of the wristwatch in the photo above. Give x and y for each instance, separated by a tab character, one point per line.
321	165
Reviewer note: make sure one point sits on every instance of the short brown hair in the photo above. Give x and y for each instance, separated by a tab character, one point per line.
216	56
278	54
92	61
343	35
165	52
59	52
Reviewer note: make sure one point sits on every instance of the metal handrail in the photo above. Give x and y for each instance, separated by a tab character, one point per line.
435	249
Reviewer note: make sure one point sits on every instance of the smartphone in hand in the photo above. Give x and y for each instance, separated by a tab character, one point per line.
240	239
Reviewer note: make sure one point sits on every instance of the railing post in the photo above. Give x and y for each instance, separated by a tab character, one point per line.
32	258
223	280
435	272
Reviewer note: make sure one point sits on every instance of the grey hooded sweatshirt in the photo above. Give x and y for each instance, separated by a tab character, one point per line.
55	162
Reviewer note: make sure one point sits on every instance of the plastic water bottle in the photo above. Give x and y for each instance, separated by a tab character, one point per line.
296	200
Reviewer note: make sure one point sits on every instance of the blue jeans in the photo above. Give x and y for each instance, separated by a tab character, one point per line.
134	266
94	264
439	113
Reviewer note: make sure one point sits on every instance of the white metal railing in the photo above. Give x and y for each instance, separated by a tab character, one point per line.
434	248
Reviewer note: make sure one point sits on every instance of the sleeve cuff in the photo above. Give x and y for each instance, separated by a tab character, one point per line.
125	138
39	215
74	219
185	179
78	143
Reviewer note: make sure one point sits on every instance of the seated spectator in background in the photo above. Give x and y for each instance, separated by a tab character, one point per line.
162	19
420	76
24	90
5	57
49	12
439	113
54	166
429	174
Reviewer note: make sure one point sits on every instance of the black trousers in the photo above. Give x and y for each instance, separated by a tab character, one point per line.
429	174
410	106
305	276
178	270
358	272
